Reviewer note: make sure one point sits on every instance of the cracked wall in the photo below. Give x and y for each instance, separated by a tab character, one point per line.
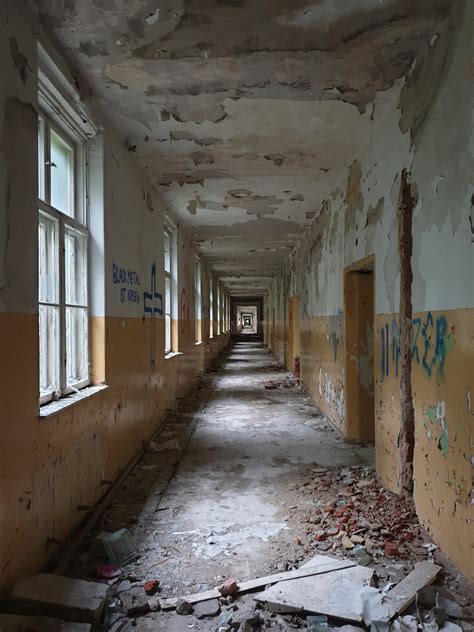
359	218
273	100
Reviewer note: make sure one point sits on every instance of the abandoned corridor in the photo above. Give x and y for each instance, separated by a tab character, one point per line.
284	185
215	492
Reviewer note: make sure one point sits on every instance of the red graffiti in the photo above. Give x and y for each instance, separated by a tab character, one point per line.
184	326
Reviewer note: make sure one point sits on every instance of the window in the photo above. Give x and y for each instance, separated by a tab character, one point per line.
168	292
63	242
197	299
218	308
226	312
211	308
170	251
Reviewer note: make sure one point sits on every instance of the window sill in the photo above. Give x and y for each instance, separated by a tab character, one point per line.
53	408
173	354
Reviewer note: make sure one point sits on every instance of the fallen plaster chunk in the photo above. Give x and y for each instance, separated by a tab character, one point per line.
334	594
321	564
16	622
63	597
380	606
209	608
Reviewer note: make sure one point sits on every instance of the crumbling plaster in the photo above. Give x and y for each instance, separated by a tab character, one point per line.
360	218
54	466
245	115
18	106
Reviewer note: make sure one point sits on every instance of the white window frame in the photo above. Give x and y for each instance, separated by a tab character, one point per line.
167	235
171	276
226	312
211	308
218	308
197	300
57	120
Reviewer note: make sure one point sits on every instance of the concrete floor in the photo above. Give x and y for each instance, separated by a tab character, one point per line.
211	498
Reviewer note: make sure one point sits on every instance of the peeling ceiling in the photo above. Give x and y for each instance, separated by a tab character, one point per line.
245	113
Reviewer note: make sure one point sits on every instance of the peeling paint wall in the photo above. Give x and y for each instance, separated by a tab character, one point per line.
245	116
430	135
51	467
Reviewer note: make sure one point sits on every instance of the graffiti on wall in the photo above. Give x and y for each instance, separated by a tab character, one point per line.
436	417
153	305
335	330
184	326
333	393
128	281
431	342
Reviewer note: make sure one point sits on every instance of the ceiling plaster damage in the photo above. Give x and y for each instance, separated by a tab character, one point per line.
245	114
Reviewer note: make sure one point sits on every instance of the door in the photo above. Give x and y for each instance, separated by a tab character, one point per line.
359	365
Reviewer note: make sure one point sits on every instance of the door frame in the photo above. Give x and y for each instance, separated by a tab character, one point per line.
354	408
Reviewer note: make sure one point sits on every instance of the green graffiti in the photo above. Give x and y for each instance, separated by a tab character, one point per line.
448	343
437	415
443	443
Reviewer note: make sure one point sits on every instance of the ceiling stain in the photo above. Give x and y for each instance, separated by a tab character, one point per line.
240	101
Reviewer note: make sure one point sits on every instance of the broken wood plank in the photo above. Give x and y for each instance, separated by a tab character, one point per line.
252	584
404	593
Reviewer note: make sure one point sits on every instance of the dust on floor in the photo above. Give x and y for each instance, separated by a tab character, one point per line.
245	480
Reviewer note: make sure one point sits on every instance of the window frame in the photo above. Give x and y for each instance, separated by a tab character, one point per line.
218	308
168	310
211	307
197	300
55	119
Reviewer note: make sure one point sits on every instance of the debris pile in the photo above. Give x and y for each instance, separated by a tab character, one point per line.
286	382
322	595
354	514
270	368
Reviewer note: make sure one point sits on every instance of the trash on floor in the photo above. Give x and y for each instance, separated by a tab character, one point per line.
118	546
286	382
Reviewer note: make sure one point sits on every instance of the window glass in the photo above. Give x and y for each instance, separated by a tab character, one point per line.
167	252
49	349
48	259
167	314
41	159
197	299
211	308
62	246
62	174
75	267
77	359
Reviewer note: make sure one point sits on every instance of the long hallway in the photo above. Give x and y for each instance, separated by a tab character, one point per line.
241	453
241	482
236	331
